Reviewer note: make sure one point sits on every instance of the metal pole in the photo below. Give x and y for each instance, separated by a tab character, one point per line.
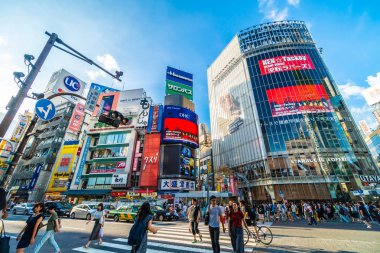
16	102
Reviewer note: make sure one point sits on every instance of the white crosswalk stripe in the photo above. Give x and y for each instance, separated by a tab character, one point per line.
169	239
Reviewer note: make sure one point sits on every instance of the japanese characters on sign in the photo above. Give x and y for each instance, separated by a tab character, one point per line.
285	63
177	184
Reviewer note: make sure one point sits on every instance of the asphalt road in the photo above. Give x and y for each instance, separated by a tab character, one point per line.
175	237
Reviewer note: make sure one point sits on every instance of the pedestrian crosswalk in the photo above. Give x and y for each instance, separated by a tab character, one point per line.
169	239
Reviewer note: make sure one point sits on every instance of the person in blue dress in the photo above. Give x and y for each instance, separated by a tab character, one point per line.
29	232
96	233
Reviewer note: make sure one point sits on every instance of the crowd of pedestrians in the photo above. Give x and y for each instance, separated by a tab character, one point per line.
316	212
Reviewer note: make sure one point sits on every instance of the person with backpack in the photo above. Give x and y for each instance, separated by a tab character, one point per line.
194	216
138	235
261	211
364	214
52	227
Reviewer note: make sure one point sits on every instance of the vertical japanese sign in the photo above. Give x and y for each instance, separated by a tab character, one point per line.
155	119
143	114
77	118
151	160
82	161
36	174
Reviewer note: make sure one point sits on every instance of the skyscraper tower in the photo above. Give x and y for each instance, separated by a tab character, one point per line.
278	119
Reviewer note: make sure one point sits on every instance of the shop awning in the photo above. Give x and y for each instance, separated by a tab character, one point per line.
86	192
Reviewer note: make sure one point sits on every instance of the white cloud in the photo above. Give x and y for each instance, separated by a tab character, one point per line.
374	80
3	41
108	62
360	110
271	11
350	90
294	2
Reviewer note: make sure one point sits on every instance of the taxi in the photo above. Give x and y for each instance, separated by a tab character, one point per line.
124	213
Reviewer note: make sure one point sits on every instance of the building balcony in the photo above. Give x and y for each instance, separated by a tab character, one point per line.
23	174
50	133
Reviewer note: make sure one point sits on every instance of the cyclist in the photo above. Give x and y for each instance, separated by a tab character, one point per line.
243	209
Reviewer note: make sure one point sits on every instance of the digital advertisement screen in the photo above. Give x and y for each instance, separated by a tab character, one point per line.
187	162
297	99
180	126
285	63
106	103
171	154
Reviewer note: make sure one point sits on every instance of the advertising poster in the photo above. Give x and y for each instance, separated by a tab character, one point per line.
36	174
63	81
180	126
143	114
82	160
285	63
106	102
18	132
129	102
179	76
187	162
94	93
177	88
155	119
298	99
77	118
150	160
63	166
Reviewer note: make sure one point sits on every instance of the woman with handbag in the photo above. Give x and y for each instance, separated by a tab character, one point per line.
29	232
97	231
138	235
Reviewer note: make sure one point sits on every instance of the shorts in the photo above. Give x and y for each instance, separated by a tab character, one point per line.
223	219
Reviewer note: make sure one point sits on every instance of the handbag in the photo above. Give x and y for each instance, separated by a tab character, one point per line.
207	216
4	240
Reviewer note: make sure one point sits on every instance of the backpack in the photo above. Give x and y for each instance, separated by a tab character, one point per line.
251	215
261	209
196	212
138	231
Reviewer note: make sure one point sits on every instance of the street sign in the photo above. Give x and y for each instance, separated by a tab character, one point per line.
281	194
360	191
45	109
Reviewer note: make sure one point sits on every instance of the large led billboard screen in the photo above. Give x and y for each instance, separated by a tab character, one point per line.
150	160
180	126
170	160
187	162
298	99
285	63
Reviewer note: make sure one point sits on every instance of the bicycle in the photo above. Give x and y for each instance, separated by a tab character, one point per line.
265	235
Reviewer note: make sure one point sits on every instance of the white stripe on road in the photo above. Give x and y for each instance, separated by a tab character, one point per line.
91	250
170	246
116	245
75	228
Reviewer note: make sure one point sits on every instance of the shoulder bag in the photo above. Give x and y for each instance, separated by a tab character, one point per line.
207	216
4	240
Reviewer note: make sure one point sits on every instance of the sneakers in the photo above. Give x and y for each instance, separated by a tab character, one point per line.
195	241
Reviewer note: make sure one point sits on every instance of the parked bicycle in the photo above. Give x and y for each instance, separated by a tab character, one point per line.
264	235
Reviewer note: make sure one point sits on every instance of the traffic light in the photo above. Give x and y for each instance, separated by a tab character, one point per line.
113	118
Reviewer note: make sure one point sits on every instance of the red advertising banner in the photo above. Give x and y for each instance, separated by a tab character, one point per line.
151	160
77	118
176	129
285	63
297	99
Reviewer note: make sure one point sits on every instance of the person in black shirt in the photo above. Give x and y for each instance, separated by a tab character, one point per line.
364	214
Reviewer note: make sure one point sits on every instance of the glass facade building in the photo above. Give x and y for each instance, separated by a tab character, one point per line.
278	119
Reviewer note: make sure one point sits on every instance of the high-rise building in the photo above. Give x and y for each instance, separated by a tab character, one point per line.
278	120
373	142
364	127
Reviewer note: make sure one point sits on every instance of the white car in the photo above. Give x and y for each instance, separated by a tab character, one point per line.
24	208
83	211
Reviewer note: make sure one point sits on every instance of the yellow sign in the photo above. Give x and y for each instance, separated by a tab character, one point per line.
62	168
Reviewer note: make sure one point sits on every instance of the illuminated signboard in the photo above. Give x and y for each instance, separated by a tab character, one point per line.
187	162
94	93
297	99
285	63
150	160
180	126
177	88
179	76
155	119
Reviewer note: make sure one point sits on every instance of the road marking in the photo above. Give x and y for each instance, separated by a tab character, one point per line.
200	250
116	245
91	250
83	229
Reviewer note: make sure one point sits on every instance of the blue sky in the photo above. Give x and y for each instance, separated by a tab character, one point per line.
142	37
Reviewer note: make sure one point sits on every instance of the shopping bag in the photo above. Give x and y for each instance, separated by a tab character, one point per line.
4	240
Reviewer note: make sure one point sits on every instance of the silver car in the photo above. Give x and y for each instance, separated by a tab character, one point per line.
83	211
24	208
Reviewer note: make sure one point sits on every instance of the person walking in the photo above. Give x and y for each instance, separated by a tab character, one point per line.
138	236
97	230
194	216
29	232
237	220
51	228
215	215
364	214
